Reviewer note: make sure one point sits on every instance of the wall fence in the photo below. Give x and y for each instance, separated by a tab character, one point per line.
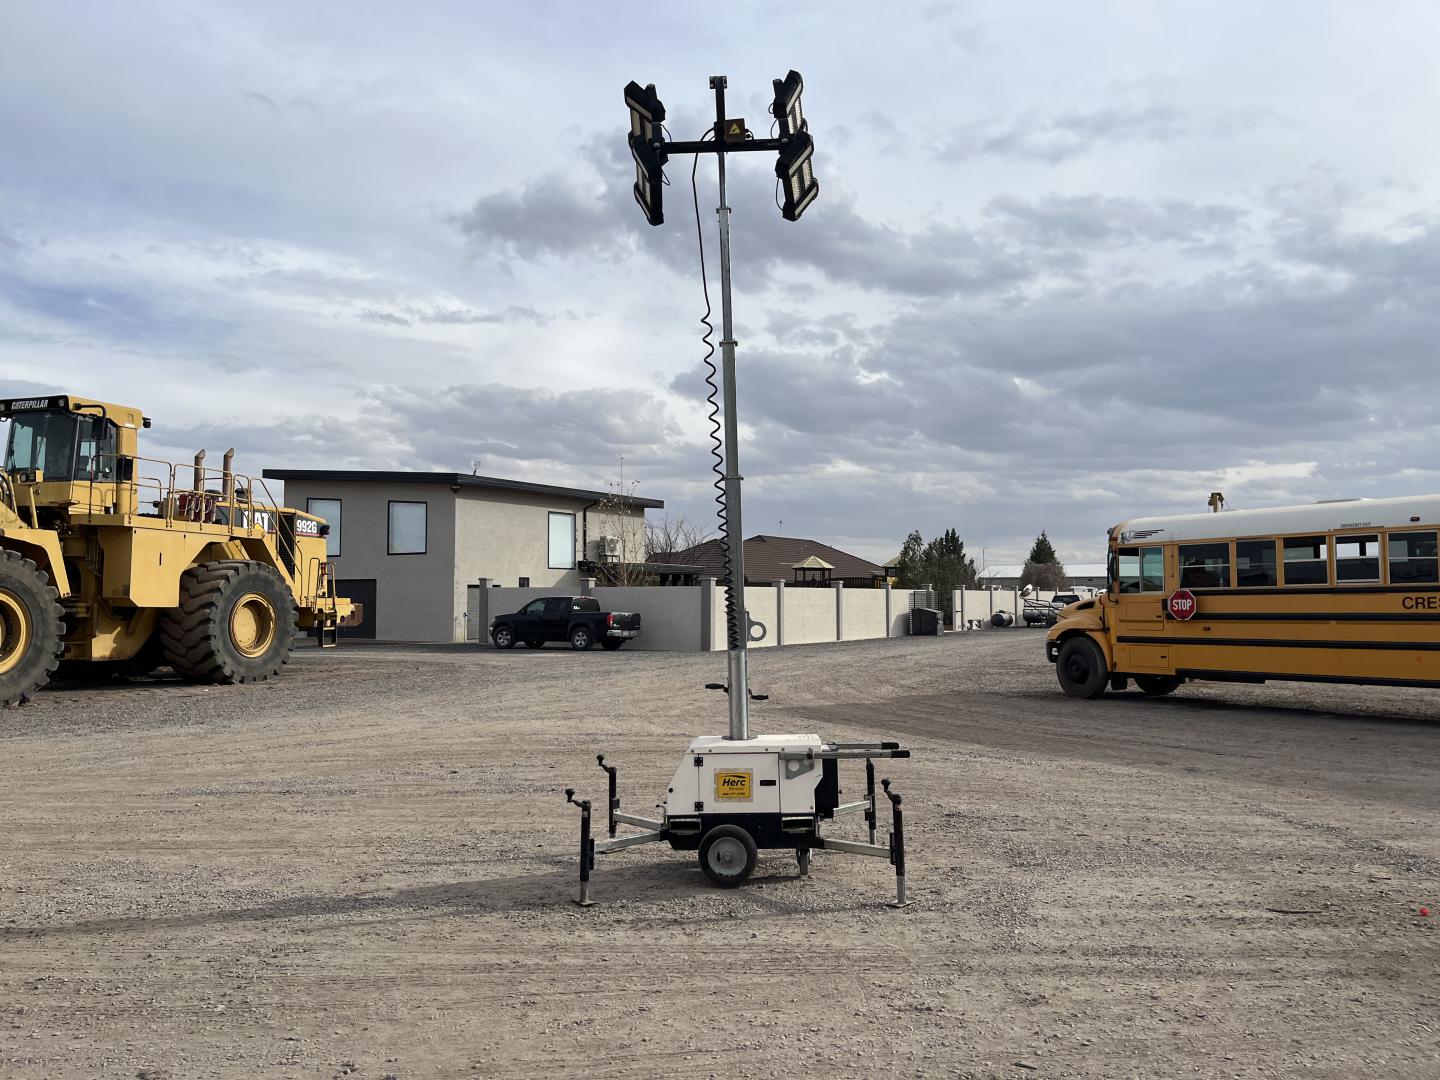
691	618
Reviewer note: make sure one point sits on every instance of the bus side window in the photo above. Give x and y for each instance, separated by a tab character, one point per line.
1255	564
1152	569
1205	566
1129	569
1413	559
1357	558
1307	560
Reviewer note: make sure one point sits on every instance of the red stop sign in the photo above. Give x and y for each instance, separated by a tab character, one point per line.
1181	604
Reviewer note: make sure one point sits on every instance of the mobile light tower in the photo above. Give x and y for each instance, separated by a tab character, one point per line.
737	793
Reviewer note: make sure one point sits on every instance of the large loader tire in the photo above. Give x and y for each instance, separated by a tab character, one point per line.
235	623
30	620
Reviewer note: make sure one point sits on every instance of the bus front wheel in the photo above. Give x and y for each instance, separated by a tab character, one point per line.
1081	668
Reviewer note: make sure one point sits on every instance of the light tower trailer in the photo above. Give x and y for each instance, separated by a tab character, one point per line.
735	794
729	799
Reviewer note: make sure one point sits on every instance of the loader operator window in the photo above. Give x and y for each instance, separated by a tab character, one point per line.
63	445
95	449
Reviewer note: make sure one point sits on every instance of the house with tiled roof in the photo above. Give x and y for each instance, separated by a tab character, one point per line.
791	559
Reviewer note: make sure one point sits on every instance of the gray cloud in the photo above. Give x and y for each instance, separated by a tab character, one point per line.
1080	310
1055	138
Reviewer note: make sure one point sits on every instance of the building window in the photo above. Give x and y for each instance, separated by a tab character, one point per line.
407	528
562	542
1306	560
1205	566
1357	558
524	583
329	509
1255	564
1413	558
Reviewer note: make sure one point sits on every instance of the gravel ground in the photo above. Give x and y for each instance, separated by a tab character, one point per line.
365	868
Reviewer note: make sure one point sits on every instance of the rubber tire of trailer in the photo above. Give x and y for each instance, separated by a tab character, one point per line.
1080	667
720	834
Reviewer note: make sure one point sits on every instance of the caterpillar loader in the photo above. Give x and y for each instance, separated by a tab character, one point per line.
112	563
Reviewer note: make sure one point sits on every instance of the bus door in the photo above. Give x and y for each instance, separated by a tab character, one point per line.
1140	609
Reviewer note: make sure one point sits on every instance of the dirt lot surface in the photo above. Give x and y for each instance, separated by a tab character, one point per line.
365	870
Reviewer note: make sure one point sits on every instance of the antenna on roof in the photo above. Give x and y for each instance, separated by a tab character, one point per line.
474	468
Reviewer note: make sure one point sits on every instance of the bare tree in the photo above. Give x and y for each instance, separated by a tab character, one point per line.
618	525
668	535
1049	576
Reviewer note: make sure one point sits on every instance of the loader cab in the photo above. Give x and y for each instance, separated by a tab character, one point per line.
70	452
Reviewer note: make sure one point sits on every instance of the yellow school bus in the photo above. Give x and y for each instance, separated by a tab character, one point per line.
1344	592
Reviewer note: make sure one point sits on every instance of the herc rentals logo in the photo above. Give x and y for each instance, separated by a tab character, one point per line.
732	784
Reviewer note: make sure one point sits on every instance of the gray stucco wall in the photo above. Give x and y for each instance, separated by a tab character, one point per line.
414	594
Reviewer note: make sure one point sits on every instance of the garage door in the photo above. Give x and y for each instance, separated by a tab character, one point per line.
362	591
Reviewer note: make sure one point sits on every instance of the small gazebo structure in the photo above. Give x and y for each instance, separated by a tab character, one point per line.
812	570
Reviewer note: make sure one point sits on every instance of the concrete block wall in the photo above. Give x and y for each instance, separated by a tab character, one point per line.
863	613
763	602
809	616
669	616
692	618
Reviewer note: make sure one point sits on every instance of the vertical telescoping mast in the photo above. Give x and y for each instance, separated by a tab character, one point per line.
799	189
737	617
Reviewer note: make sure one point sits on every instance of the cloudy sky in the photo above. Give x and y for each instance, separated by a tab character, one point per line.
1070	263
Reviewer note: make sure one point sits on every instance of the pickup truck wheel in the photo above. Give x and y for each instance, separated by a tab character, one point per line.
1080	668
611	644
534	643
581	638
503	637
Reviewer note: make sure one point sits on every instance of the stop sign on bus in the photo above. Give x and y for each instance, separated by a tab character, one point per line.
1181	604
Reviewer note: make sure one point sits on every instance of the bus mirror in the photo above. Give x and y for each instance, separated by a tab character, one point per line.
1112	575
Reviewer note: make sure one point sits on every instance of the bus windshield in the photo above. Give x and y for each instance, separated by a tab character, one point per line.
62	445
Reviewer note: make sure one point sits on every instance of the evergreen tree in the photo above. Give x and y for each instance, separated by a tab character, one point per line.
942	564
1043	551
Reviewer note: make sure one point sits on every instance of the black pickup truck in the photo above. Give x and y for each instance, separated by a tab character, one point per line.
576	619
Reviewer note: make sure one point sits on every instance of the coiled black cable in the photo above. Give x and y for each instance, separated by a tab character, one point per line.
717	448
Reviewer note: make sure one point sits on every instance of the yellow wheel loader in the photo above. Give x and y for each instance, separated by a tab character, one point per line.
112	563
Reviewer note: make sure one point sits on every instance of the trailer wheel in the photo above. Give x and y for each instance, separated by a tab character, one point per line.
1080	667
1158	685
728	855
581	638
30	616
235	623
